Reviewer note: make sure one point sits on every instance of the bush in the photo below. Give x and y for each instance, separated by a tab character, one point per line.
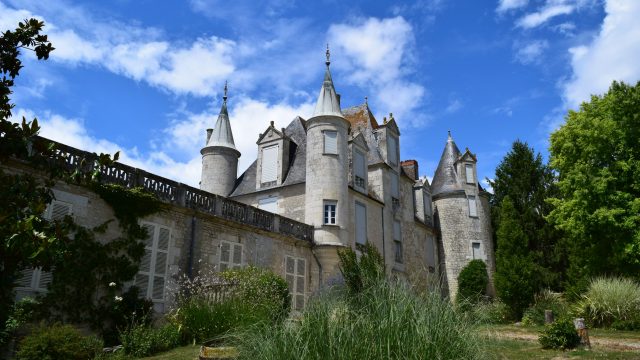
545	300
21	312
140	340
132	309
472	282
362	273
610	300
58	342
489	312
385	321
559	335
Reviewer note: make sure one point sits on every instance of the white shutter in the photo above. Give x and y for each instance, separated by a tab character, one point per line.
361	223
269	164
25	279
330	142
397	234
392	150
44	280
473	210
237	255
151	276
469	173
427	206
57	210
395	192
269	204
225	255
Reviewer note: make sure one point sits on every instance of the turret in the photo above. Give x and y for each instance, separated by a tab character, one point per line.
327	168
463	214
220	156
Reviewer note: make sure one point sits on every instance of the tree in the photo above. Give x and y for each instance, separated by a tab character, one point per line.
472	282
517	277
528	181
597	156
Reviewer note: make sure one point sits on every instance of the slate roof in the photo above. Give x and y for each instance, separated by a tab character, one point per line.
295	174
328	103
446	179
221	135
362	121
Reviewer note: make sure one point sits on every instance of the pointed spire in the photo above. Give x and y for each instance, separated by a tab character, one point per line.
328	103
445	178
222	135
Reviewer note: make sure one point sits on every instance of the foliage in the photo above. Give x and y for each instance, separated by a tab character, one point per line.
20	314
517	276
609	300
559	335
527	181
489	312
545	300
387	321
212	304
597	156
58	342
472	282
266	291
129	205
362	273
141	340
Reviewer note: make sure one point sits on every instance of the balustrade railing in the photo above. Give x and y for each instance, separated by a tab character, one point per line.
180	194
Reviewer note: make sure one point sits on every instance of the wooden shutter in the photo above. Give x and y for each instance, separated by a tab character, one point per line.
392	150
225	255
269	164
295	275
395	191
57	210
44	280
152	273
361	223
473	210
25	280
469	173
397	233
431	251
237	255
427	206
330	142
358	164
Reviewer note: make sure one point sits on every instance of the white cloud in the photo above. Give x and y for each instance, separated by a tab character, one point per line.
506	5
552	9
453	106
612	55
379	56
531	52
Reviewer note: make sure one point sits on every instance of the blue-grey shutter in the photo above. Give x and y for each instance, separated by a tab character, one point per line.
269	164
395	191
330	142
468	169
361	223
392	150
473	210
397	234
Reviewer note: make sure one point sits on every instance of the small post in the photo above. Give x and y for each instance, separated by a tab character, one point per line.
548	316
583	332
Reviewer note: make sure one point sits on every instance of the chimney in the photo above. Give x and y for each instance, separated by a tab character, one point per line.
209	131
411	168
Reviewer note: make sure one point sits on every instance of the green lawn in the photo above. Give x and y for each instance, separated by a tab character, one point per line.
189	352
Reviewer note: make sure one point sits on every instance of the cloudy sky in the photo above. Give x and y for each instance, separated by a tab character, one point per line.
145	76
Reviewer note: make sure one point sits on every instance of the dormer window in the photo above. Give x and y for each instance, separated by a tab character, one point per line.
330	142
392	150
269	174
359	170
468	169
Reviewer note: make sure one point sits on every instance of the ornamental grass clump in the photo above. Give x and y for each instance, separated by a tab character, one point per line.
609	300
383	321
545	300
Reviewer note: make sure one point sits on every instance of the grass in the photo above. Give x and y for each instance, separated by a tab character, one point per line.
535	330
521	349
189	352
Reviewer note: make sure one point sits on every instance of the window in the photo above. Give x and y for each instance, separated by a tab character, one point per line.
361	224
397	241
152	273
359	170
269	173
475	250
330	212
469	172
330	142
269	204
473	210
427	208
38	279
230	255
392	150
296	274
395	191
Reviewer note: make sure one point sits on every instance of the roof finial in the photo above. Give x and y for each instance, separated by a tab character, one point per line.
449	135
391	116
366	100
328	56
225	92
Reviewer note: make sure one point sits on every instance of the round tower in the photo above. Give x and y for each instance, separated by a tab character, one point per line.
327	169
463	216
220	156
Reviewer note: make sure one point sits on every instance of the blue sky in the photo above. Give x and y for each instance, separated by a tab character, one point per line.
145	77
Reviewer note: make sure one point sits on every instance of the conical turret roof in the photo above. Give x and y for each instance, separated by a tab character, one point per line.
446	178
328	103
222	135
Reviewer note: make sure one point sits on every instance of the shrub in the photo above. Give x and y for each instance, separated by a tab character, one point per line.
140	340
545	300
58	342
609	300
21	313
132	309
489	312
362	273
386	321
559	335
472	282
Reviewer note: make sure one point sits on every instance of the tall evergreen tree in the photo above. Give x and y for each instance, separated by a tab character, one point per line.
517	277
597	156
527	181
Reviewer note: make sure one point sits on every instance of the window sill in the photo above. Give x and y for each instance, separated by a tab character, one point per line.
330	154
331	225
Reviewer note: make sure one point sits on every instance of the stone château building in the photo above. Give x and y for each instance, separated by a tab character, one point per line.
334	180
